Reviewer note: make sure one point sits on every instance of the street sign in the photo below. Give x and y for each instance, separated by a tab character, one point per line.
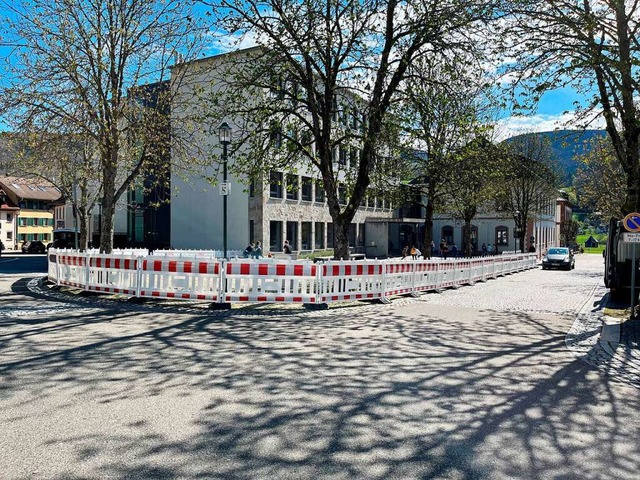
631	237
225	189
631	222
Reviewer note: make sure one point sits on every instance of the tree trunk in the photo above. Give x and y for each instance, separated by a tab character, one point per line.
428	229
108	209
468	247
83	222
340	239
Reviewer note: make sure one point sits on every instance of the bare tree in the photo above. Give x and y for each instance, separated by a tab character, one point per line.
441	112
592	45
333	70
529	180
477	167
66	161
599	181
73	65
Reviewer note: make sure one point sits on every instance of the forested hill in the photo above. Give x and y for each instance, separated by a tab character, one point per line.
567	145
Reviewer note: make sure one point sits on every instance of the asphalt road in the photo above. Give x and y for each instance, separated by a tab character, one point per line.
471	383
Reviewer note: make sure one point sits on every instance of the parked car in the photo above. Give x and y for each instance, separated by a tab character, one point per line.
559	257
34	246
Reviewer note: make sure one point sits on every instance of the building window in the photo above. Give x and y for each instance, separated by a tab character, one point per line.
22	222
353	230
251	231
275	182
502	235
343	155
275	236
361	234
306	189
329	235
306	235
342	194
252	189
319	191
319	236
292	234
9	235
9	217
292	187
447	234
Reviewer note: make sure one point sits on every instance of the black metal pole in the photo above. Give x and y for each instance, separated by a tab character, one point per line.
224	199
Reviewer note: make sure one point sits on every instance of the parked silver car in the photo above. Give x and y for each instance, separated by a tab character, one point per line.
559	257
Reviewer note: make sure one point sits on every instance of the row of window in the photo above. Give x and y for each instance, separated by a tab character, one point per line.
24	237
34	205
35	222
345	113
501	234
297	189
312	235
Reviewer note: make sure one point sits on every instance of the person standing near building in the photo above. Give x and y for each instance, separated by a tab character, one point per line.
484	250
489	249
432	249
405	252
286	248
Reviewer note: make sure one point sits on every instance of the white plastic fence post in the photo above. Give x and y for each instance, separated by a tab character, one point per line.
318	282
222	285
383	297
140	261
87	259
57	269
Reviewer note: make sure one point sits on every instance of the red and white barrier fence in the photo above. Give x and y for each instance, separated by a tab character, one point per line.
197	277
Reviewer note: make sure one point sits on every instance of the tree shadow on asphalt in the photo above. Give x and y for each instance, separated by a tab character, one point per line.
380	393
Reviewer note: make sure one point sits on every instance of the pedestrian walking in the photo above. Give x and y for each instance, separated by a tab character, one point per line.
432	249
484	249
405	252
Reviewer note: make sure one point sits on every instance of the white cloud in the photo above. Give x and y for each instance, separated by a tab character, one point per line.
515	125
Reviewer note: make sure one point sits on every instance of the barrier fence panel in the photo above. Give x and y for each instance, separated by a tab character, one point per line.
181	278
398	277
113	274
72	269
52	265
476	270
463	272
426	276
270	281
351	280
447	274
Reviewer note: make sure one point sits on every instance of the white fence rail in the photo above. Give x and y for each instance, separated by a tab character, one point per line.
203	276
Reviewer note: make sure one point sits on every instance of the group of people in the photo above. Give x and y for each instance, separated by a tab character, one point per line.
489	249
253	250
413	251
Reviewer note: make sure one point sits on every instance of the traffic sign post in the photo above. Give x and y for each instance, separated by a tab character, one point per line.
631	223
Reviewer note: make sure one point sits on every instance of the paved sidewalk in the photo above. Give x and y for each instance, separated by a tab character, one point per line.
605	342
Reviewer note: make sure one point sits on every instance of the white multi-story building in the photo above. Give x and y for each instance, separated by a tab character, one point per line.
279	207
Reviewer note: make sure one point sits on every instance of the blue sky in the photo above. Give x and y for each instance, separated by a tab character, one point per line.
554	111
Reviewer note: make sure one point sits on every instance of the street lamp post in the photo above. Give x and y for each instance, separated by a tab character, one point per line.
224	133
